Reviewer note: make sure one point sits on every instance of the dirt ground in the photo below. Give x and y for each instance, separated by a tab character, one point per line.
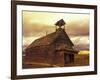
80	60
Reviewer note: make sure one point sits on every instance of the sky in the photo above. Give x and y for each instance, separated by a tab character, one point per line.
38	24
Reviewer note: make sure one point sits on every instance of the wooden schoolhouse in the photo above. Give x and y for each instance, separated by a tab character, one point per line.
55	48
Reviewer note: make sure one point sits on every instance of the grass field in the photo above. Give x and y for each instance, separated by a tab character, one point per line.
80	60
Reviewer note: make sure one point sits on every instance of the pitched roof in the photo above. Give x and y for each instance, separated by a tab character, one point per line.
50	38
60	23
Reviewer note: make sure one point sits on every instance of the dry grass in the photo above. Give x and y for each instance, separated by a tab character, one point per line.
80	60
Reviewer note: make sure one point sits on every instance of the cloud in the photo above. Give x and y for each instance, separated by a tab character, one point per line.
41	29
38	24
81	42
37	29
78	28
82	47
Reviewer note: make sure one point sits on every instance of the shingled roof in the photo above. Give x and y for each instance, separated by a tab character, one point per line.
50	38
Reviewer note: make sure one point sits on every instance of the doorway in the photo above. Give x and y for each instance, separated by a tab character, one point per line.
68	58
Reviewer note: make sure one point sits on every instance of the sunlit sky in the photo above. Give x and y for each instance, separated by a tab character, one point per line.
38	24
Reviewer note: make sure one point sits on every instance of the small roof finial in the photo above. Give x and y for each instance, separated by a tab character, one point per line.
60	23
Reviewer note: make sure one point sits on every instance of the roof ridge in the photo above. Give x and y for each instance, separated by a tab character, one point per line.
48	39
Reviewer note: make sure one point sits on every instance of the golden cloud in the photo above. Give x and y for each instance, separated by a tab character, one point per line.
38	24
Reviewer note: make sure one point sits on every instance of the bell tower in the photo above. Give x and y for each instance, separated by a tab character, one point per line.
61	24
